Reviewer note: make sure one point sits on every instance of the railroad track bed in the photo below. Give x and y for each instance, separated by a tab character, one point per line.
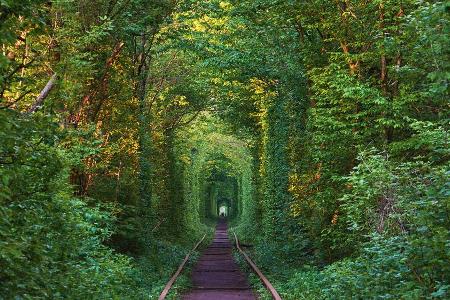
216	275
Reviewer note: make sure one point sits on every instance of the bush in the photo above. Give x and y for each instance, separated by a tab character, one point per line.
50	242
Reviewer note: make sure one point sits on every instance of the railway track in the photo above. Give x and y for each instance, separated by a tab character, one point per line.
216	275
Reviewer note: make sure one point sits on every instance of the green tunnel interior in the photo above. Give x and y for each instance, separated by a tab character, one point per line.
220	179
222	195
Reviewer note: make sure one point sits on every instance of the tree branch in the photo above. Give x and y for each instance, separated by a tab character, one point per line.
44	93
16	100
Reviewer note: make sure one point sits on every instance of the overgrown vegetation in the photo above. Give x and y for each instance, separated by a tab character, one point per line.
322	126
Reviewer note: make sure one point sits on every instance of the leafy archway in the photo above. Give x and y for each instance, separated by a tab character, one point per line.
218	171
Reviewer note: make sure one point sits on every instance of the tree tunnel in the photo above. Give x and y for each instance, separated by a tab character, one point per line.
222	194
219	179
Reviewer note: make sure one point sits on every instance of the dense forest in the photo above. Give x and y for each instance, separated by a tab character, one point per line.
320	127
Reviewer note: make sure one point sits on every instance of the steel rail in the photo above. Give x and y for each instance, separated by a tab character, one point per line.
169	284
263	278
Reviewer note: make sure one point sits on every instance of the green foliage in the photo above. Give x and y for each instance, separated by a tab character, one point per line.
323	125
367	151
56	234
385	269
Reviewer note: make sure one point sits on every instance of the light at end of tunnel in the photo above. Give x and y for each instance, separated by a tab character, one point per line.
223	211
